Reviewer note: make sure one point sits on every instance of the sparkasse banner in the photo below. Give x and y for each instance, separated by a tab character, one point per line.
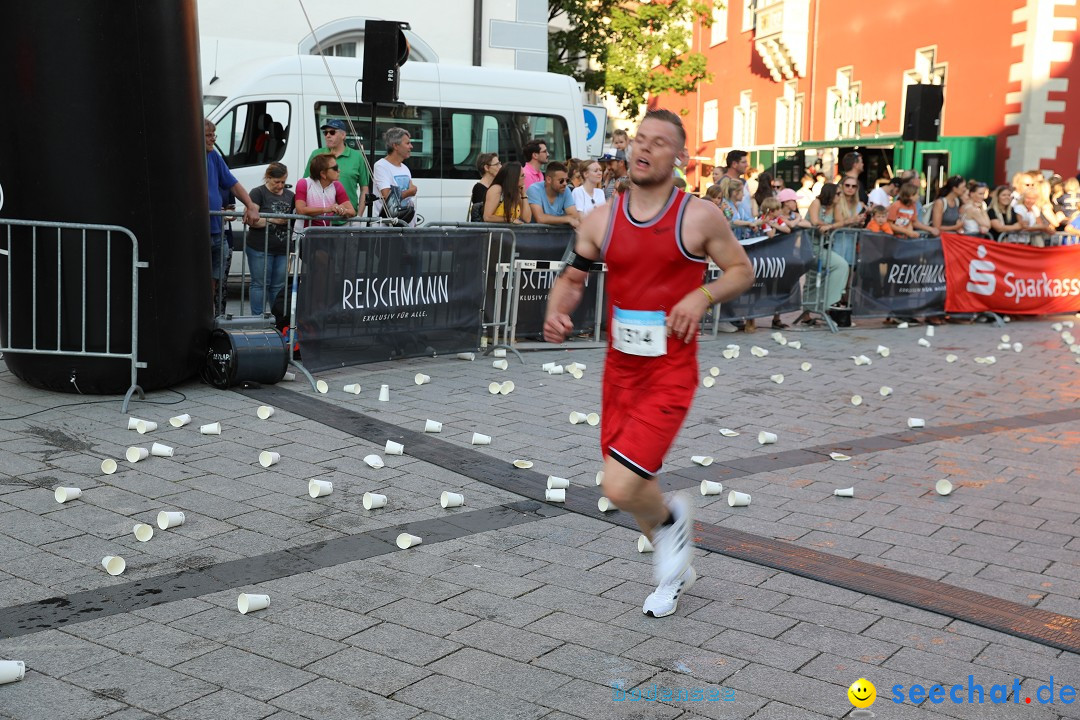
982	275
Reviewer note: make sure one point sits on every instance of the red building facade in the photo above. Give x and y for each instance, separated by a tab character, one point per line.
801	82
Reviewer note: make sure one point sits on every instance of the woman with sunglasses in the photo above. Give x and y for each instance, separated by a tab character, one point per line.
322	193
489	165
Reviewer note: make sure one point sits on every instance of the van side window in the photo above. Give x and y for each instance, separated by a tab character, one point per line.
468	133
420	122
254	133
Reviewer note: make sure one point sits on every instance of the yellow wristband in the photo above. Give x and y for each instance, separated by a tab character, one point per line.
707	294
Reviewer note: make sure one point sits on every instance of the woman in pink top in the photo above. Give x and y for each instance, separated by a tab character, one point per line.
322	193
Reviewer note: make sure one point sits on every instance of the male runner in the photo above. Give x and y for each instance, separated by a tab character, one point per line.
656	241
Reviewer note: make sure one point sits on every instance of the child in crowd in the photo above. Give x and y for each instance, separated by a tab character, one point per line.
771	221
879	220
620	140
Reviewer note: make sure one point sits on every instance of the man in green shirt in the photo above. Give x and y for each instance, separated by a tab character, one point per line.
350	162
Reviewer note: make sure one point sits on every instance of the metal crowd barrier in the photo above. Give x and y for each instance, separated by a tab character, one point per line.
64	232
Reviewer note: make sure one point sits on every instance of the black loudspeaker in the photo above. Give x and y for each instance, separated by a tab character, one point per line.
385	50
922	119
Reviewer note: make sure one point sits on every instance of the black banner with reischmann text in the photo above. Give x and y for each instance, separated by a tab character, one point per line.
898	276
373	295
779	262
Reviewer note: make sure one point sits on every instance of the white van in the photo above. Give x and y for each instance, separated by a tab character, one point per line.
271	111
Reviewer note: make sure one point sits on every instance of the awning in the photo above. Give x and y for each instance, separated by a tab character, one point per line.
883	141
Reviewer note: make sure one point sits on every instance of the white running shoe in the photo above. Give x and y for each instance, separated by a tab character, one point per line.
726	327
672	543
664	600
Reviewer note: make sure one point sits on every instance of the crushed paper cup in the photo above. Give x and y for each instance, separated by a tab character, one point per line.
113	564
856	400
643	544
264	412
988	360
714	371
1057	327
576	418
883	351
523	464
729	354
924	342
320	488
839	457
12	671
885	391
710	487
557	496
593	419
247	603
728	432
599	478
394	448
108	466
758	351
210	429
135	454
915	423
738	499
779	338
500	364
498	352
374	461
373	501
466	356
268	458
902	326
795	344
766	438
180	420
506	388
322	386
1018	347
1004	346
353	388
384	393
451	500
950	358
167	519
703	460
143	532
145	426
844	492
159	450
929	331
557	483
861	360
480	439
63	494
432	426
805	367
494	388
777	378
943	487
1068	337
708	381
605	505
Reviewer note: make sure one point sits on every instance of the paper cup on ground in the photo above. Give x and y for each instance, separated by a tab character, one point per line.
950	358
180	420
795	344
766	438
916	423
557	496
432	426
506	388
593	419
374	461
862	360
265	412
133	423
211	429
885	391
703	460
135	454
170	519
576	374
929	331
523	464
500	364
924	342
757	351
708	381
777	378
268	458
605	505
451	500
246	603
113	564
599	478
738	499
643	544
844	492
394	448
63	494
883	351
1005	339
406	541
840	457
1018	347
494	388
322	386
145	426
480	439
421	379
902	326
373	501
555	370
856	400
498	352
557	483
143	532
159	450
321	488
11	671
728	432
728	354
466	356
288	377
108	466
714	371
352	388
709	487
546	367
384	393
943	487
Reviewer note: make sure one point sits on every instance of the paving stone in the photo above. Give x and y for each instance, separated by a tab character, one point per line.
460	700
326	699
366	670
701	663
158	643
54	653
39	697
515	643
286	645
246	673
583	699
495	672
515	613
223	705
158	689
756	649
425	617
595	666
598	636
402	643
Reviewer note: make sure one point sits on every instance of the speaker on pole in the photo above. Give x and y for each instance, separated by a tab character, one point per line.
922	118
385	51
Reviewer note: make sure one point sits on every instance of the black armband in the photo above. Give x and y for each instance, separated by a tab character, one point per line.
573	260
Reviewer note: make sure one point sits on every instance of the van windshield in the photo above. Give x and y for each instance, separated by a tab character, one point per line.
209	102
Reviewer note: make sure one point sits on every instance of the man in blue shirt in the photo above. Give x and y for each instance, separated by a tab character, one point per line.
551	201
220	183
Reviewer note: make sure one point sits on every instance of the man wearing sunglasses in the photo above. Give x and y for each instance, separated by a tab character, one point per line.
350	163
551	201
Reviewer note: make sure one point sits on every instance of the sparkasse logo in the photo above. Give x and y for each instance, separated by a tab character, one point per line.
981	280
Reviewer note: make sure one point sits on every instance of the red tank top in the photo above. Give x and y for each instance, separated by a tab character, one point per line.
650	269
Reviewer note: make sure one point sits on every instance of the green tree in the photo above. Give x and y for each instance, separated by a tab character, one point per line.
629	49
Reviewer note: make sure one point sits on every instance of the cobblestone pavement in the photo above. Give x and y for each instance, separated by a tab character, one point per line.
524	614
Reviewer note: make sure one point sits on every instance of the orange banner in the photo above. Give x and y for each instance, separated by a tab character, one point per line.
983	275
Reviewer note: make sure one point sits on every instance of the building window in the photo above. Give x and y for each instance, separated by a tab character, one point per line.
341	49
789	114
718	30
710	120
748	14
927	71
744	122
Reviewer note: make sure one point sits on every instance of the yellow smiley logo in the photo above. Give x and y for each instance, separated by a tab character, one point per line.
862	693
